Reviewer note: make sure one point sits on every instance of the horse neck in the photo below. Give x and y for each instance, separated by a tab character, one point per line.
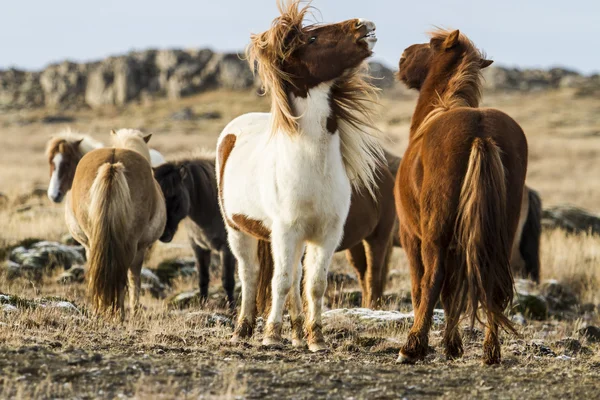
313	111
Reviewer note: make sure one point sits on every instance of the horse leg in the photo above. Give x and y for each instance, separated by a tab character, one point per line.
228	274
452	340
491	344
376	252
418	338
203	265
412	247
295	308
357	258
318	259
244	248
135	281
287	250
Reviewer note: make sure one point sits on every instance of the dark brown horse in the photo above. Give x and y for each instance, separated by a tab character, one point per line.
190	190
525	257
458	195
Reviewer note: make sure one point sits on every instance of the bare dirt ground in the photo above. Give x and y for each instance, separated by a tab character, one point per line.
48	352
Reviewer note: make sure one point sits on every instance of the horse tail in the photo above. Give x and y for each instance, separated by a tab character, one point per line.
110	212
483	242
530	237
265	276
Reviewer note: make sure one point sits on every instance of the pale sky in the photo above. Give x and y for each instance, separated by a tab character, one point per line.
524	33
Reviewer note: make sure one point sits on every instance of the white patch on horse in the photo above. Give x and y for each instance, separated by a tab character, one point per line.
156	158
54	187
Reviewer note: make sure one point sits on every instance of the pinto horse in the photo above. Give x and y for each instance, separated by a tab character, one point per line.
285	178
116	210
64	152
458	195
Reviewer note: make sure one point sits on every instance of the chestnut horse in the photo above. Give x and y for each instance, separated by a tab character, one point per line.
285	178
116	210
458	195
64	152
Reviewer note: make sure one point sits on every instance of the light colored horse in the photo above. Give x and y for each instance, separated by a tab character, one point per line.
64	152
286	177
116	210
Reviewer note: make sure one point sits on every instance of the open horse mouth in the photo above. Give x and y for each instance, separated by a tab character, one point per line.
369	37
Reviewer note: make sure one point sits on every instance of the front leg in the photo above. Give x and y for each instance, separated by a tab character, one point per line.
135	281
203	265
228	274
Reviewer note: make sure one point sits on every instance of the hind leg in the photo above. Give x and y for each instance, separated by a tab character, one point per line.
287	249
244	248
135	281
452	340
418	338
376	251
203	265
295	307
357	258
228	274
412	247
491	344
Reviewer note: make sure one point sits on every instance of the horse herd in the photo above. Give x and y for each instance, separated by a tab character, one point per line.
289	188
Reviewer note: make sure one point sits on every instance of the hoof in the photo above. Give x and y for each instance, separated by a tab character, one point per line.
242	331
318	347
404	359
272	336
272	342
298	343
298	333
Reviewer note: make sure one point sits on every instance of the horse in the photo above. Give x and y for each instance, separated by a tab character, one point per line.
525	254
190	189
285	178
116	210
458	196
64	152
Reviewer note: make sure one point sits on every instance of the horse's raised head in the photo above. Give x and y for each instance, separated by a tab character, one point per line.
446	53
63	155
171	178
293	58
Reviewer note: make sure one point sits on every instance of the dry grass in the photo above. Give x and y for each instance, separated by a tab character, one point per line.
170	354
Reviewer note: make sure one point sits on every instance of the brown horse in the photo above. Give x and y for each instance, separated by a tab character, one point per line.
525	255
116	210
458	195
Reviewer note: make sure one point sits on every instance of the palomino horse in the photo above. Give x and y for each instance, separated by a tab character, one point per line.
64	152
116	210
286	177
458	195
525	254
190	190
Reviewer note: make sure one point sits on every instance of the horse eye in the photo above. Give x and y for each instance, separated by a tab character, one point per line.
312	39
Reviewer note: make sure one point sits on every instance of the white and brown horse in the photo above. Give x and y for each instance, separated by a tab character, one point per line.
64	152
116	210
286	177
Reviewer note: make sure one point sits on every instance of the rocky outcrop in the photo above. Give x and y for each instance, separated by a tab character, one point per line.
145	75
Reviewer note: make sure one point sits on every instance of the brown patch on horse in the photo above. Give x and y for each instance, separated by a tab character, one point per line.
251	226
224	150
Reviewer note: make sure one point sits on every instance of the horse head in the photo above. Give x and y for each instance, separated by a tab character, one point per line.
171	179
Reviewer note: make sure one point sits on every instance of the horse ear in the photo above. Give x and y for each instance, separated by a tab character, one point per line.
452	39
485	63
147	138
77	143
112	132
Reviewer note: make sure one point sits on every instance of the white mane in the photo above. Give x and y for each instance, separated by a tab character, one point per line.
87	142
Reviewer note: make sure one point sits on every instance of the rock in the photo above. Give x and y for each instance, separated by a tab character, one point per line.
571	219
378	318
44	302
73	275
540	349
209	115
591	333
47	256
185	299
185	114
64	84
172	268
68	240
558	296
152	283
211	319
9	308
57	119
571	345
531	306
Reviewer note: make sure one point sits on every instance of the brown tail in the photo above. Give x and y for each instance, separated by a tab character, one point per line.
265	276
530	238
110	251
483	241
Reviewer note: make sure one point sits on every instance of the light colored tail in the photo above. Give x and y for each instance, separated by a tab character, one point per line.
265	276
483	241
111	253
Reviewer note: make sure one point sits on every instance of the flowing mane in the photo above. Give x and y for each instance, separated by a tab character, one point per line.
352	96
132	139
464	86
87	143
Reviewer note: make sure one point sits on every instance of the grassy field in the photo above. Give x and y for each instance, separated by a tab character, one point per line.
165	353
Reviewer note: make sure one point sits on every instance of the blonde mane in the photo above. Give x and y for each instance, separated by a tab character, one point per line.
87	143
464	87
131	139
352	97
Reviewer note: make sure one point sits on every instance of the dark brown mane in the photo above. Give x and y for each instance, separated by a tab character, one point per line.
169	176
